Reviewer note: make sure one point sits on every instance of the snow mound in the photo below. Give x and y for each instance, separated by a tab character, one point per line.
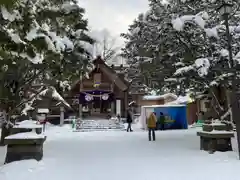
26	135
28	124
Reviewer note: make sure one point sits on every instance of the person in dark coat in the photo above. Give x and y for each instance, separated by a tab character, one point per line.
162	121
129	121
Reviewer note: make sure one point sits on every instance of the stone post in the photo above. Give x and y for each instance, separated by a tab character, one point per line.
61	115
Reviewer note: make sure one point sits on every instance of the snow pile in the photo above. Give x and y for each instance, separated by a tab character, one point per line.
26	135
11	16
224	53
183	70
201	65
15	37
199	19
212	32
28	124
27	108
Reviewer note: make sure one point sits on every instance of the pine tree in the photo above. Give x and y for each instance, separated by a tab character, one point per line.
179	33
38	42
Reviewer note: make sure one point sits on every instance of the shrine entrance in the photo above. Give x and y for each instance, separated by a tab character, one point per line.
96	103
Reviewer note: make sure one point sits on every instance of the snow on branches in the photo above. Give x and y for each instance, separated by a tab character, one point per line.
191	34
42	42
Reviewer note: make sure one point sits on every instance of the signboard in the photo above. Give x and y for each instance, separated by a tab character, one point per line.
175	117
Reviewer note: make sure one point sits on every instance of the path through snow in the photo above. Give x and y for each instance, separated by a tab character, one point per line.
121	155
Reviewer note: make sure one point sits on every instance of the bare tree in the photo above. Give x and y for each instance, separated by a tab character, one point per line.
106	46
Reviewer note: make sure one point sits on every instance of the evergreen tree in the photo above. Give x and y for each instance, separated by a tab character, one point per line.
187	36
41	42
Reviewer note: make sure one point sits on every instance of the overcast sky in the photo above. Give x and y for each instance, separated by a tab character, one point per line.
113	15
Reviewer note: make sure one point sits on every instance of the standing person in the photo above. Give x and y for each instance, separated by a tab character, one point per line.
162	121
129	121
151	123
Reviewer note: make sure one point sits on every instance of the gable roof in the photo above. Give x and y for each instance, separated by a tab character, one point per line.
119	81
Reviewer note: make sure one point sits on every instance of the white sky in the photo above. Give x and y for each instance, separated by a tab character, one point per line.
113	15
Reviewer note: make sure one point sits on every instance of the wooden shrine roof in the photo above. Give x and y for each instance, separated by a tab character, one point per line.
99	63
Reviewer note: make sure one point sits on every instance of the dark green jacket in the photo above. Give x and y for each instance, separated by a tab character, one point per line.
161	119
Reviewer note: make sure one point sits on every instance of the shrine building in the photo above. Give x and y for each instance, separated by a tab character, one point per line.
105	92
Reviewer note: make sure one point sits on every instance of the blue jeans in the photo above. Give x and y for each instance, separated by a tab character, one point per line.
151	134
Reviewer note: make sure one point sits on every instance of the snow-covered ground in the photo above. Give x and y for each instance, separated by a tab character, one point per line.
120	155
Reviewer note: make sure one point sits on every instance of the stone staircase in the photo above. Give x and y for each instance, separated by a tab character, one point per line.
99	125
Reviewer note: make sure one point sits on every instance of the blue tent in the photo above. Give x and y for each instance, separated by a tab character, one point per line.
175	116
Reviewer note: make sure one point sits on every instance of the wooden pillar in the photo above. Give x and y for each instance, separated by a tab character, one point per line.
80	103
125	103
113	112
80	110
118	107
61	115
113	108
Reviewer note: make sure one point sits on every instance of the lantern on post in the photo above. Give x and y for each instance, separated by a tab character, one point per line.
42	117
225	8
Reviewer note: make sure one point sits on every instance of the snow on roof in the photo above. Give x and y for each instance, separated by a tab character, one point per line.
217	132
26	135
164	105
55	95
158	97
58	97
132	102
28	105
181	100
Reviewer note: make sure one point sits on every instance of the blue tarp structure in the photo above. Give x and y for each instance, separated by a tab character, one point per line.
175	116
